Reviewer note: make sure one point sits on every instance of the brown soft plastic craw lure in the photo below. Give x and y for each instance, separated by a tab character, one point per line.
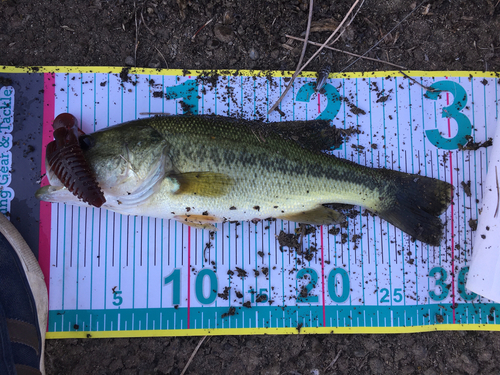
65	158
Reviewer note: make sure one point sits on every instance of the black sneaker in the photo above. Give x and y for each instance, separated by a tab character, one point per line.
23	305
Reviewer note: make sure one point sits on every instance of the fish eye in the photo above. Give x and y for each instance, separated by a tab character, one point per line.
86	142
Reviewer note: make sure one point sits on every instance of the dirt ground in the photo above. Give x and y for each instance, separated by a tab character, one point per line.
439	35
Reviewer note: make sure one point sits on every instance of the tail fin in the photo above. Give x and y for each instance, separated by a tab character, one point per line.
415	204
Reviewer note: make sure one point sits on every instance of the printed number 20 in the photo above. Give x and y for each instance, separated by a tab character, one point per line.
332	95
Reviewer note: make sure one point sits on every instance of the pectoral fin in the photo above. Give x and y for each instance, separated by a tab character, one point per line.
198	221
204	184
317	216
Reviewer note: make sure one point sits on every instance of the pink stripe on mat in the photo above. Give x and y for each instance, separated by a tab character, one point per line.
452	221
45	208
323	277
189	278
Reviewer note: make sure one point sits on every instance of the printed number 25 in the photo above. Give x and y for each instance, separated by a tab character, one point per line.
398	297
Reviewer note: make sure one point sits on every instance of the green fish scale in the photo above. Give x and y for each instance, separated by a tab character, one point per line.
264	167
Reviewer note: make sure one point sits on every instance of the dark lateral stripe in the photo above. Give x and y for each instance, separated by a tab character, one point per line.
23	333
27	370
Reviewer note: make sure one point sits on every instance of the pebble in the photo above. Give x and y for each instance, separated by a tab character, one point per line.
253	54
430	371
360	353
154	63
485	356
377	366
419	352
129	60
464	357
407	370
228	17
223	33
116	365
213	44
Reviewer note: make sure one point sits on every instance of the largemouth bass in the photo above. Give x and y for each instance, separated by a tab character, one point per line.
202	170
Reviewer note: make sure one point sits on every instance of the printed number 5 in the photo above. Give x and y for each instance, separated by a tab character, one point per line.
451	111
117	297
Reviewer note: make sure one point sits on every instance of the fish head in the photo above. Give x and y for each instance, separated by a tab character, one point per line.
127	160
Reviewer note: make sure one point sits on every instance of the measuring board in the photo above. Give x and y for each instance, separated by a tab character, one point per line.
116	276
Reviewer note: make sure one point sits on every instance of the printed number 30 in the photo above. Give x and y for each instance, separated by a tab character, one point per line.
451	111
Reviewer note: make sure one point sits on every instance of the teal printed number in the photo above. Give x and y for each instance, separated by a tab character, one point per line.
461	285
308	287
214	284
261	296
398	296
175	279
451	111
188	91
439	282
118	299
332	96
343	280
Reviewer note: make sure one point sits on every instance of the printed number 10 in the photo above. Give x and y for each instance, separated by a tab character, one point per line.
175	279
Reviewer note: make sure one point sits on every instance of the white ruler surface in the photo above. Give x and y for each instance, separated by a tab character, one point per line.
146	276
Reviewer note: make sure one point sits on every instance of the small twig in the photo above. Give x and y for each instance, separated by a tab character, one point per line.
334	360
39	181
192	355
363	361
347	53
155	113
201	28
137	25
163	57
297	72
428	88
146	25
498	192
385	36
67	28
256	136
304	47
302	235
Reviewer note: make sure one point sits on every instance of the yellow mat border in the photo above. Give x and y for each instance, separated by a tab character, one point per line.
245	73
273	331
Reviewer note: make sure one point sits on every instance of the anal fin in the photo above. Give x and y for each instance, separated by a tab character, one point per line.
317	216
198	221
